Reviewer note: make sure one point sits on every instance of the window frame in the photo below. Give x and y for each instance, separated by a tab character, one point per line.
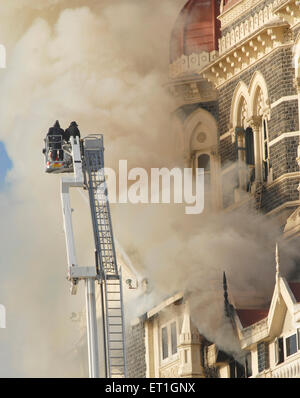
286	356
266	356
264	141
196	164
284	338
168	326
279	360
248	360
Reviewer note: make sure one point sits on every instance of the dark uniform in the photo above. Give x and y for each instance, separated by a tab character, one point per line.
56	134
72	131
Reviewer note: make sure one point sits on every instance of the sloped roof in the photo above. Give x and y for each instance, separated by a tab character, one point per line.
250	316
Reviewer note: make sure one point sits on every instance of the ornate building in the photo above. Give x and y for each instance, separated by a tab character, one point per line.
234	71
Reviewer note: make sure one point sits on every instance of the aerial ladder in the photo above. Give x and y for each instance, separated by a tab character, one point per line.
84	158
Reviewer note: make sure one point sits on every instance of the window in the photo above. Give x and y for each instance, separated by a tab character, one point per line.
262	356
245	154
248	365
204	163
236	370
169	340
164	339
173	338
265	151
279	355
291	345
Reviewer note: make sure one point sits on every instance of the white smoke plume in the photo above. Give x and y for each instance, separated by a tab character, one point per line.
99	63
104	65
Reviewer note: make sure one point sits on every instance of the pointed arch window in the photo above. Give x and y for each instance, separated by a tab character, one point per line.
244	141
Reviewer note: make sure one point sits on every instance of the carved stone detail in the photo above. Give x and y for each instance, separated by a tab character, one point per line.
246	53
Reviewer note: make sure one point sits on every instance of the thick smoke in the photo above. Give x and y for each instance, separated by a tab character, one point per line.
103	64
98	63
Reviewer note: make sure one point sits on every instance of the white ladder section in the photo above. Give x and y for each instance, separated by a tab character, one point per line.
105	251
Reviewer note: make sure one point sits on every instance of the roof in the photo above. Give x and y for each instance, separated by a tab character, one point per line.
250	316
196	29
295	288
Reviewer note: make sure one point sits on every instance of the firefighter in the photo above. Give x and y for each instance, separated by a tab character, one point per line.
72	130
55	135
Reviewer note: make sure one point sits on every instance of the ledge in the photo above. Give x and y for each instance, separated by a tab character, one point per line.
246	53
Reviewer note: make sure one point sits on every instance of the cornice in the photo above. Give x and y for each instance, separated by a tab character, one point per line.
246	53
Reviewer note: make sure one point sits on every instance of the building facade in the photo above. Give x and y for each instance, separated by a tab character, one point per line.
236	86
234	72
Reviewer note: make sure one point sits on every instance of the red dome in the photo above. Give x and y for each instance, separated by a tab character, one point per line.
196	29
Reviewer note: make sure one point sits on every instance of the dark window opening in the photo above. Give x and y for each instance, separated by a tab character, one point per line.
236	370
265	155
173	338
291	345
164	337
279	354
204	162
244	140
248	365
263	356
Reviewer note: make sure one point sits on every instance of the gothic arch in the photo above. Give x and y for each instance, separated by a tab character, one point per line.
240	95
259	97
200	132
201	138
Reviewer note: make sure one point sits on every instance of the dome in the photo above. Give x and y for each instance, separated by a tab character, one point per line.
196	29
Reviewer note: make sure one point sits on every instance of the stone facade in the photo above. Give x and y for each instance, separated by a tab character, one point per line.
136	351
255	78
274	68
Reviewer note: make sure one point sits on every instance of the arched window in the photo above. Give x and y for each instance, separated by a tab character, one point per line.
204	163
245	155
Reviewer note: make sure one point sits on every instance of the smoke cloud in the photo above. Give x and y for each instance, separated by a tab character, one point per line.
99	63
103	64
